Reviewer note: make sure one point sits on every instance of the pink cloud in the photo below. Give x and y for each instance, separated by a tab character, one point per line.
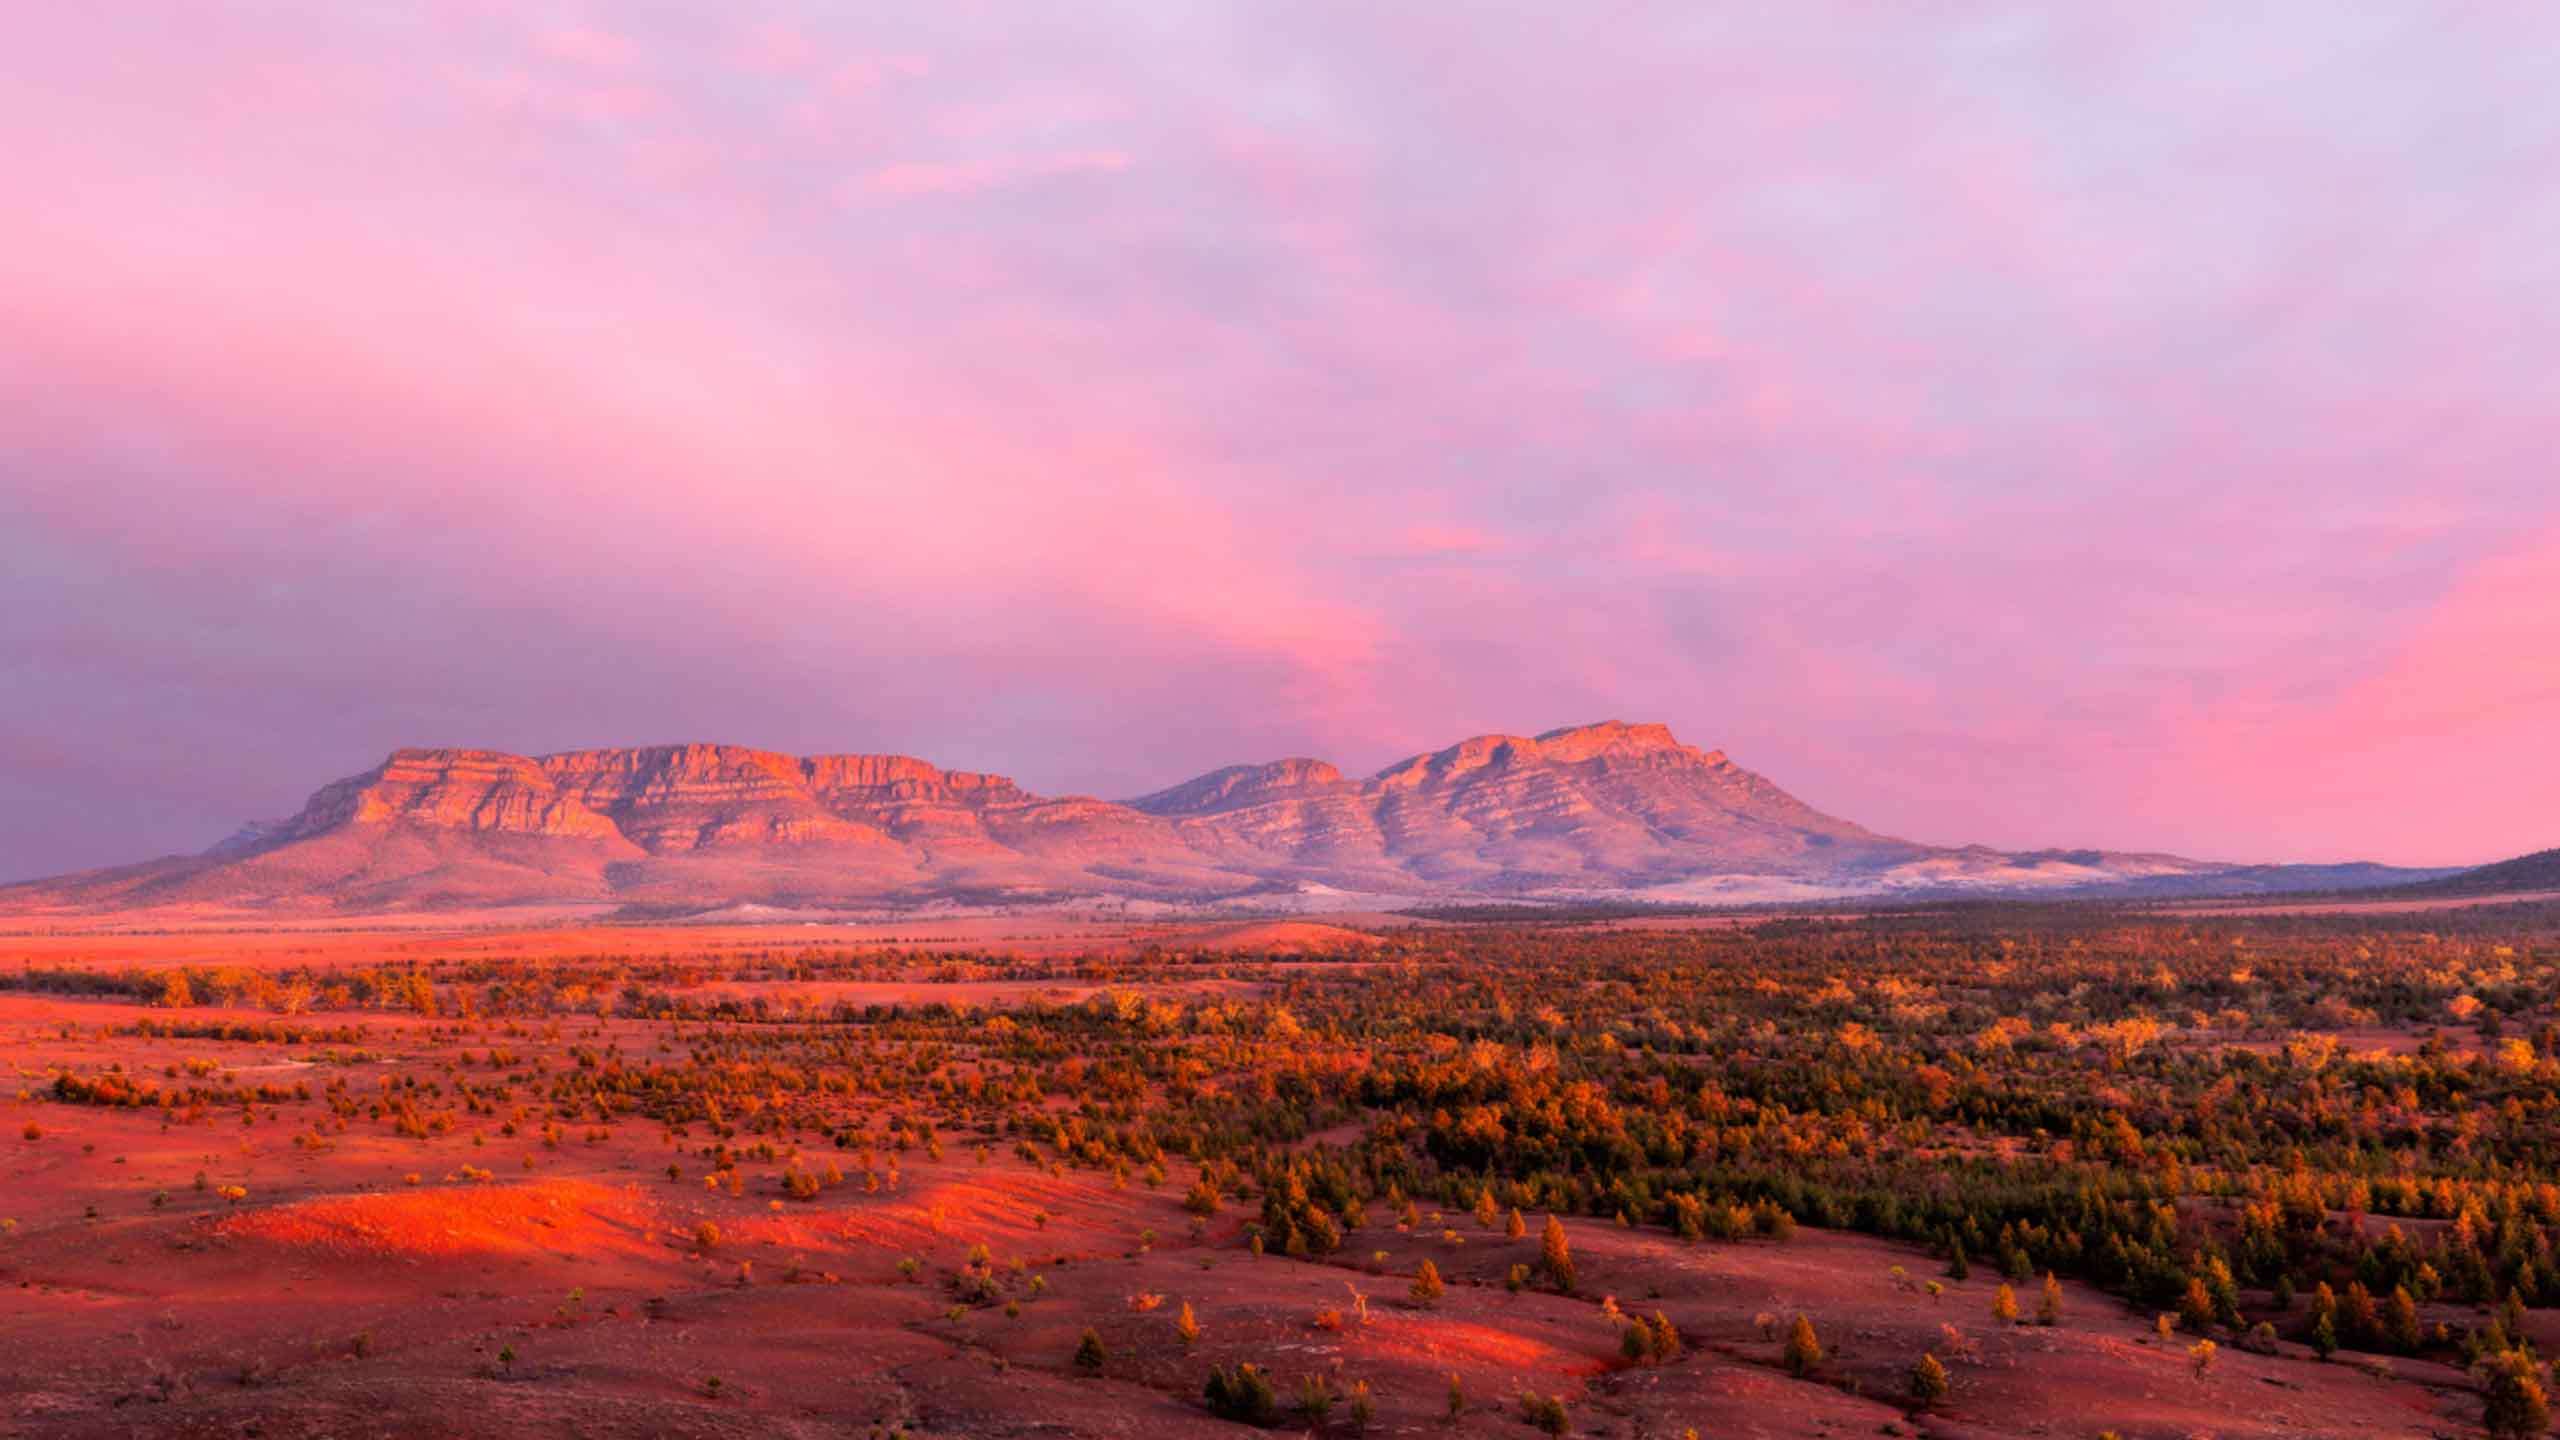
587	45
1992	431
1453	540
933	179
2448	736
866	71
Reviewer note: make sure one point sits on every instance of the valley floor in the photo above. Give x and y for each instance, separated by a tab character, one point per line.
300	1266
569	1296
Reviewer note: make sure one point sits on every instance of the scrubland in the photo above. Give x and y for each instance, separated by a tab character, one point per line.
1999	1171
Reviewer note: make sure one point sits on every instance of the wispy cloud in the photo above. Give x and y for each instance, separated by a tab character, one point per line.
1995	422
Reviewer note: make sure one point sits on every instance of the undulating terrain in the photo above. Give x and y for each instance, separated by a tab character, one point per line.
2052	1171
1607	810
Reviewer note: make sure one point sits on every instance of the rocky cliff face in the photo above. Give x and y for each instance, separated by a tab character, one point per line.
663	800
1567	804
1596	804
1609	807
453	790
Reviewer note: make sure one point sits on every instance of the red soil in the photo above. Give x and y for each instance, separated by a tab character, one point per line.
334	1298
1293	937
566	1217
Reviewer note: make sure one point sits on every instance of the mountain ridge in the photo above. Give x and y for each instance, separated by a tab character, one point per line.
1610	808
2534	873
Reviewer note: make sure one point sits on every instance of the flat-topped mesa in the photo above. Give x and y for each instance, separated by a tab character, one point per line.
660	798
884	779
670	769
485	790
618	780
670	764
840	797
681	798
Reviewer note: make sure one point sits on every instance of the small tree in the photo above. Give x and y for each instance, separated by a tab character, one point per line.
2224	1289
1186	1327
2195	1307
2004	1305
2202	1353
1315	1397
1928	1381
1091	1352
2400	1319
1515	1227
2517	1404
1426	1284
1804	1348
2358	1317
1244	1393
1555	1255
1547	1412
1364	1407
2049	1304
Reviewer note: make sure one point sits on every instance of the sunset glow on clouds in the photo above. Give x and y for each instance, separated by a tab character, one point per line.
2124	425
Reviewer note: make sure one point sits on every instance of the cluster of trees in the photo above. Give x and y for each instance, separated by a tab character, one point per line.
2213	1117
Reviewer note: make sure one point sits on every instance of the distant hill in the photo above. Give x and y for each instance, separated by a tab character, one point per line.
1604	811
2524	874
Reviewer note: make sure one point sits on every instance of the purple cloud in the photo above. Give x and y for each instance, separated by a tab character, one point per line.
2121	425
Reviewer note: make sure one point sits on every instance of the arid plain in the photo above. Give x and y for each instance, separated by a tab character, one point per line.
1048	1176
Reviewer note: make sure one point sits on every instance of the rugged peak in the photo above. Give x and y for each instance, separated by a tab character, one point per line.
1476	752
1240	785
1609	737
1571	745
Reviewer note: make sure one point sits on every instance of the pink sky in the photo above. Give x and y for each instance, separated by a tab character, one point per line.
2097	425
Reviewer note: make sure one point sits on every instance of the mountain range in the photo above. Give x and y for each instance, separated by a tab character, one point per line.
1611	810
